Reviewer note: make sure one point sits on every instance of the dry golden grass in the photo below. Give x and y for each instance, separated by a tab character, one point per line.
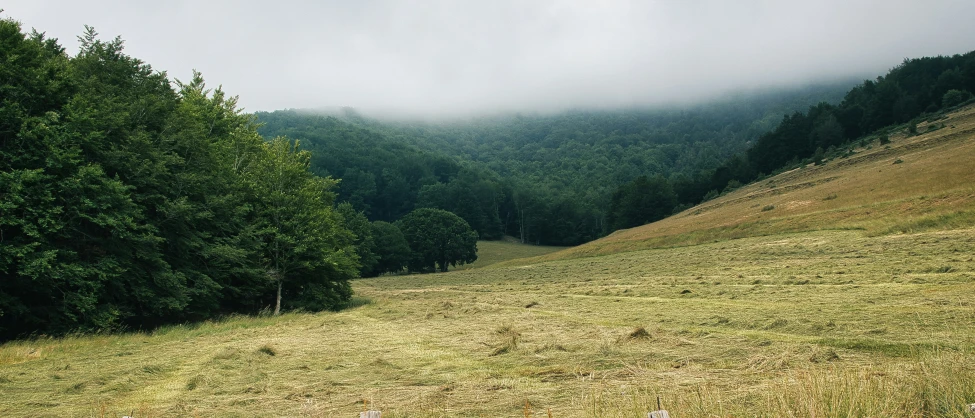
866	311
798	324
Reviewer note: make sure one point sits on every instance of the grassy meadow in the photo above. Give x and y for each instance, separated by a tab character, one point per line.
840	290
509	248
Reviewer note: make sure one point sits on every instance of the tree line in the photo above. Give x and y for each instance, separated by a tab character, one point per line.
573	177
129	200
906	94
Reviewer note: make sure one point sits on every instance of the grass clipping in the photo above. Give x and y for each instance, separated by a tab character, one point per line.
508	337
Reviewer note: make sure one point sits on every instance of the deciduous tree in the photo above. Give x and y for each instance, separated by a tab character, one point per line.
438	239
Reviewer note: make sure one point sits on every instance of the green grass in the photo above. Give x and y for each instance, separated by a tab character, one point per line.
492	252
763	326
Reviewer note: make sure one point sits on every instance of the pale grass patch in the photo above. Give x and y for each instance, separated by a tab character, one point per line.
780	314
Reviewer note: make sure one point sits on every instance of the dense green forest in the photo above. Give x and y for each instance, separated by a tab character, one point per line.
545	178
571	177
908	93
129	200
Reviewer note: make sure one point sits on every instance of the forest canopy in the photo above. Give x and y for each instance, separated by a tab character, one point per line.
545	179
129	200
575	176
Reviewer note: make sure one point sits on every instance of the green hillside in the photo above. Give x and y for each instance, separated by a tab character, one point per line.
163	253
867	311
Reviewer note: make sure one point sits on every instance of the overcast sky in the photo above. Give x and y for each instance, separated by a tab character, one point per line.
437	57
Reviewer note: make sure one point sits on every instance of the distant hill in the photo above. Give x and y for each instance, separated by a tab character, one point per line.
544	178
913	183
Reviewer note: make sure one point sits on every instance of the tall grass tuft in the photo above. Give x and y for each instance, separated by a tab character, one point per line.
940	385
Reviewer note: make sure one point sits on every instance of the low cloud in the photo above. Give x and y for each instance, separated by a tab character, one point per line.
453	57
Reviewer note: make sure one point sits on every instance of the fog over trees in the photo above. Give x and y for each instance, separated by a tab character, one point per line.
448	58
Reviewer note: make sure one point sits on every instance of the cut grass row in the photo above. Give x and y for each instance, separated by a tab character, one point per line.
785	325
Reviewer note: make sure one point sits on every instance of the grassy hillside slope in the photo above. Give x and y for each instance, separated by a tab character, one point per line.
805	324
914	183
506	249
849	296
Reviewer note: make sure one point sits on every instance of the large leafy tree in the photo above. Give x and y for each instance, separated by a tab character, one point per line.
391	249
364	243
438	239
304	243
72	232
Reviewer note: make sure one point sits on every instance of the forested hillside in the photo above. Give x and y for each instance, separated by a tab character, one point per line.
547	179
129	200
905	95
572	177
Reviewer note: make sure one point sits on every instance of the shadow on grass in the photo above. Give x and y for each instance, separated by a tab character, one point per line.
356	302
892	349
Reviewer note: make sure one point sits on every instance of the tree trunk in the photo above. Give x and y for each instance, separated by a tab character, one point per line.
521	226
277	306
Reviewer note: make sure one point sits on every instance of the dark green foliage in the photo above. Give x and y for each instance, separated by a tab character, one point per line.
546	179
385	178
915	86
470	196
818	156
551	179
955	98
364	243
641	201
437	239
380	177
305	249
126	203
391	249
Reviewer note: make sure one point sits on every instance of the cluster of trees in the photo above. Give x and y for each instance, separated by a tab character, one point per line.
572	177
386	179
130	200
546	179
640	202
423	241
